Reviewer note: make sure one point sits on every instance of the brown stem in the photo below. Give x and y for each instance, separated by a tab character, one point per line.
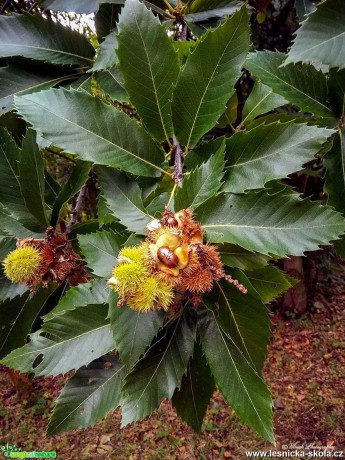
59	154
178	158
77	209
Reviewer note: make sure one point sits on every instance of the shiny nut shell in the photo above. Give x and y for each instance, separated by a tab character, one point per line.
167	257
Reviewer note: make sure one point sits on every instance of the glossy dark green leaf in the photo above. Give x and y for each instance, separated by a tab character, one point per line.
75	182
11	226
237	257
31	178
203	152
303	7
236	378
100	250
123	198
88	396
202	183
321	37
149	71
277	223
34	37
17	317
94	292
242	317
214	13
261	100
255	157
160	371
11	197
206	82
17	81
270	282
197	386
96	132
110	81
300	84
66	342
106	56
334	161
133	331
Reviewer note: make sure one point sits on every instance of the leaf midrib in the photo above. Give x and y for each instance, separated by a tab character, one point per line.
152	165
153	81
89	396
211	79
272	147
43	350
43	83
321	44
269	228
239	376
167	349
276	76
49	50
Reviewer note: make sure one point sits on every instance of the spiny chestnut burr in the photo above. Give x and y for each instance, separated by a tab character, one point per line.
167	257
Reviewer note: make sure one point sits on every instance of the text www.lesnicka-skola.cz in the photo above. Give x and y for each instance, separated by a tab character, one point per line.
314	453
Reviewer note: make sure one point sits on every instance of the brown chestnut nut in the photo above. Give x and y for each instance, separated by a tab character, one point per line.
167	257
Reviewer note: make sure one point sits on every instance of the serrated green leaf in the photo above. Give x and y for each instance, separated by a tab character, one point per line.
100	250
9	290
106	56
230	115
160	371
204	5
336	91
300	84
133	331
12	227
239	383
17	317
34	37
206	82
88	396
31	177
7	244
261	100
76	6
96	132
106	18
269	282
74	339
203	152
237	257
255	157
52	189
149	71
320	39
334	161
210	13
17	81
10	194
105	216
123	198
91	293
303	7
277	223
242	317
202	183
110	81
197	386
75	182
157	205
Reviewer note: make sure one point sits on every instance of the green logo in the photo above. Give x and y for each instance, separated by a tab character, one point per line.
12	451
